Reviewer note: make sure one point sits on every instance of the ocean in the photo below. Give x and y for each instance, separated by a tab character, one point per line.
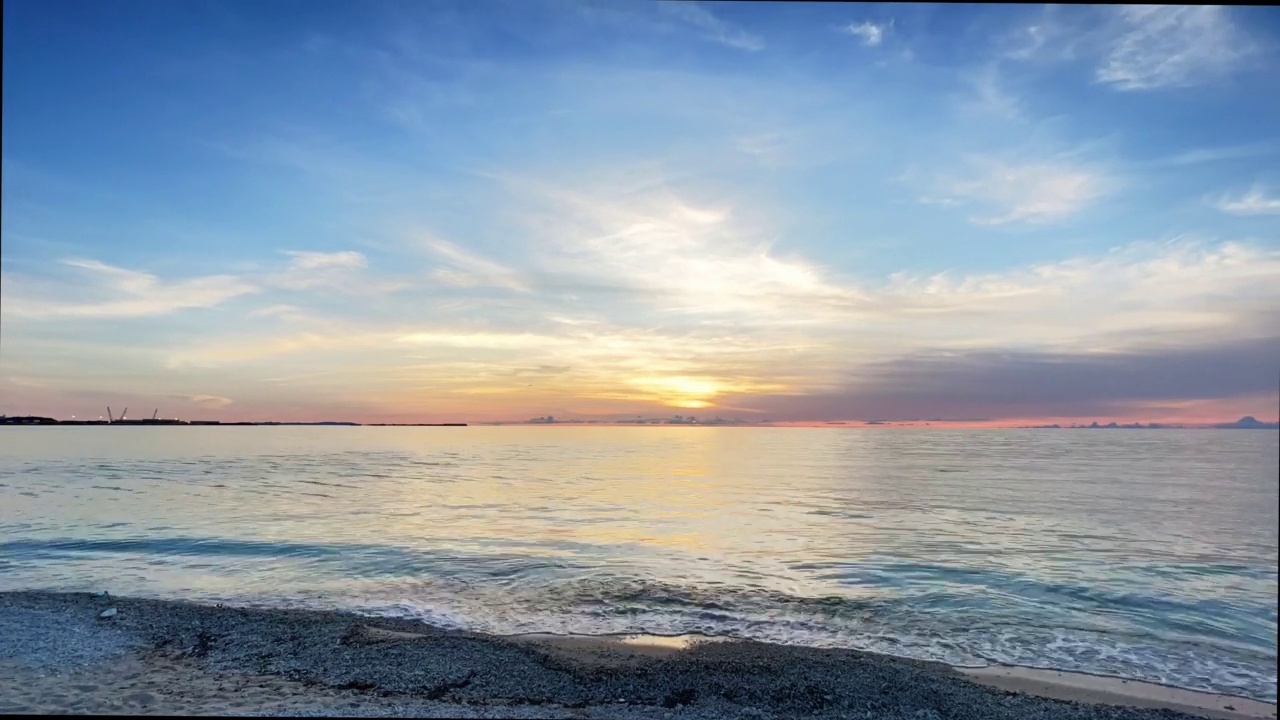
1142	554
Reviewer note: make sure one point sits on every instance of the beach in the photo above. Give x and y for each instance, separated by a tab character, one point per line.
58	655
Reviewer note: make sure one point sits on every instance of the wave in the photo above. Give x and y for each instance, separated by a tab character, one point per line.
963	617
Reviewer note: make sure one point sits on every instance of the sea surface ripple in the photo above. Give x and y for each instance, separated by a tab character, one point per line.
1149	555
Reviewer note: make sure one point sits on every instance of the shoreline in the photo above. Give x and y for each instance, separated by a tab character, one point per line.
977	671
1088	687
161	656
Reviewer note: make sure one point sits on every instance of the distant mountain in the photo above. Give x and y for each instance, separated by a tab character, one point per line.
1248	422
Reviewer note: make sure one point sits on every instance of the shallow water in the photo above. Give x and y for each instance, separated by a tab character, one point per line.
1142	554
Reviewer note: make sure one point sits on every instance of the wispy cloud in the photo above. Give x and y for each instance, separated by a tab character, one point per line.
989	97
210	401
871	34
343	271
241	348
1134	295
1254	202
762	145
1026	191
307	260
1056	34
713	27
1137	47
706	316
466	269
1172	46
281	311
685	258
312	269
1219	154
107	291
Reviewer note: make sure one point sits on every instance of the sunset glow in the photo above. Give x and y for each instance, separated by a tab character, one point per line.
425	212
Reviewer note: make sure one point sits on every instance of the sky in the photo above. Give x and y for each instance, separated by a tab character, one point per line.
476	211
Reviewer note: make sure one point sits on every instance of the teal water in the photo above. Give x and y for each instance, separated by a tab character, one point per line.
1141	554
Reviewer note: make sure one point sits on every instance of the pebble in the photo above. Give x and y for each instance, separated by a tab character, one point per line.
109	612
141	698
56	632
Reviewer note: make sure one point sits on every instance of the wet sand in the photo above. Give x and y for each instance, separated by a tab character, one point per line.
1114	691
156	657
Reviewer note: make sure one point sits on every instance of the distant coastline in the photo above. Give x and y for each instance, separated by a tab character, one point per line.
1244	423
35	420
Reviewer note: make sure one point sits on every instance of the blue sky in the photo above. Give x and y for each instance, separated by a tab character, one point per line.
484	210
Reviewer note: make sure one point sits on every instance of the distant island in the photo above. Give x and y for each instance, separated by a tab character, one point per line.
1248	422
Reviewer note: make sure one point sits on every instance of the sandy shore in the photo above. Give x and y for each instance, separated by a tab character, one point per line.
1113	691
155	657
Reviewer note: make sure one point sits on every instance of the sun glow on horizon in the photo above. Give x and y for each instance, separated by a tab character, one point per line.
641	215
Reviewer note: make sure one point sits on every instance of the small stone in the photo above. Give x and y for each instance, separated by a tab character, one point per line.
109	612
141	698
102	594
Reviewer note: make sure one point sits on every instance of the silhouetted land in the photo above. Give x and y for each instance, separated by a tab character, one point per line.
36	420
1245	423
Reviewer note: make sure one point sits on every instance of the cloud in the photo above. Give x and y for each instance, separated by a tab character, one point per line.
697	322
306	260
238	349
870	33
713	28
470	270
1030	192
672	256
1176	292
989	96
1172	46
763	145
1219	154
210	401
1028	384
1033	38
281	311
1060	33
1138	47
307	269
107	291
1254	202
498	341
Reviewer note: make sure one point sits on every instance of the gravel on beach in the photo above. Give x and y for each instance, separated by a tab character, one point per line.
187	658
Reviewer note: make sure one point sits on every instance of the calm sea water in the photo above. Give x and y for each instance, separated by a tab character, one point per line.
1141	554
